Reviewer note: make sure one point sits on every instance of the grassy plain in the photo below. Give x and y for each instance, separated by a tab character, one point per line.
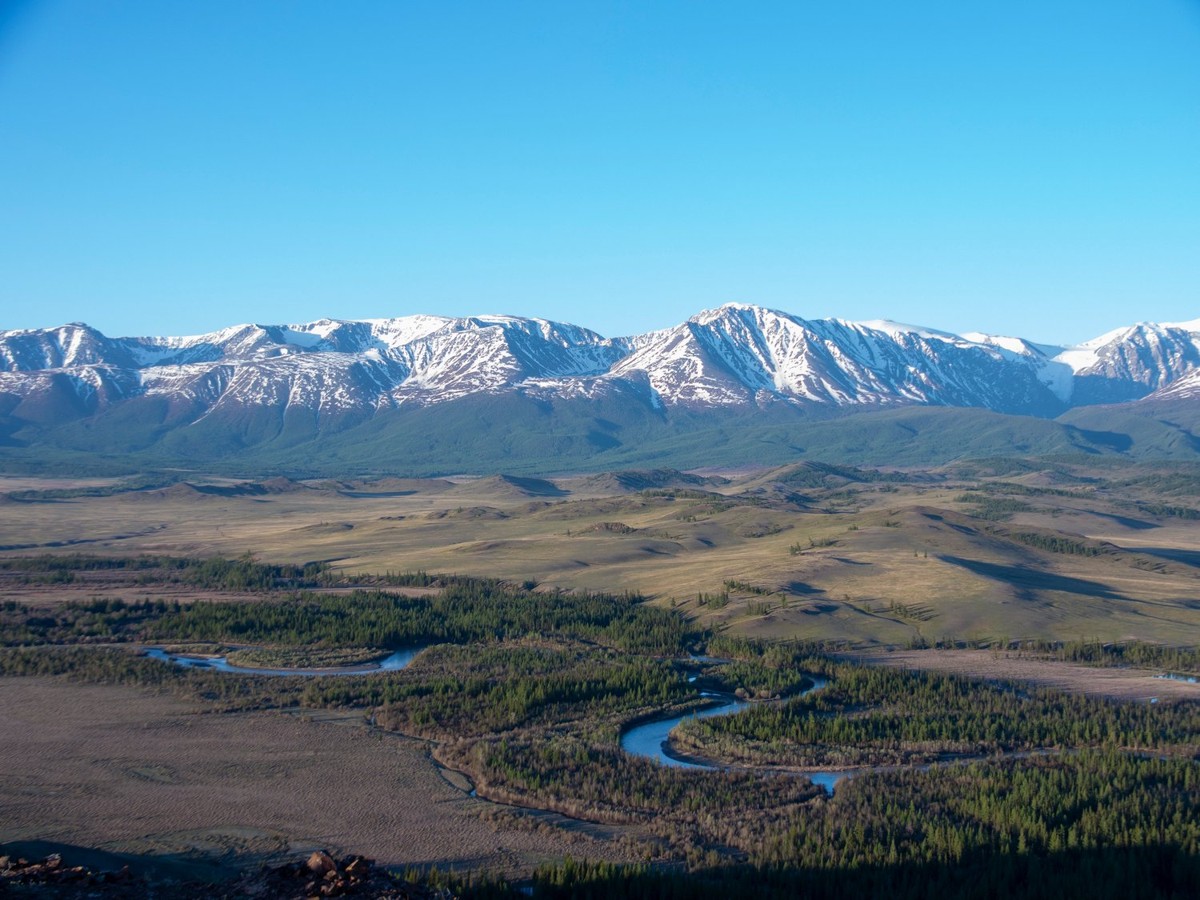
1123	683
972	553
134	772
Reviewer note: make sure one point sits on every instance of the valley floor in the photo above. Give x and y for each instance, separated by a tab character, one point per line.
128	771
579	607
1114	683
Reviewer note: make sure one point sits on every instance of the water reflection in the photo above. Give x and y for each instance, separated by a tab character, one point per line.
652	739
398	660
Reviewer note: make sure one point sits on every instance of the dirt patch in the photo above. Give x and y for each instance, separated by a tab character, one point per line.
1119	684
128	771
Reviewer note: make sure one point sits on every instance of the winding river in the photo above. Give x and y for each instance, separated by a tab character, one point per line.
652	739
398	660
1174	676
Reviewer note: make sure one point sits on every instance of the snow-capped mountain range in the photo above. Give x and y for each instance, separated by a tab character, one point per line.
736	355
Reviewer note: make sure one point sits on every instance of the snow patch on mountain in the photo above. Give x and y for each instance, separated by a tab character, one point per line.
730	356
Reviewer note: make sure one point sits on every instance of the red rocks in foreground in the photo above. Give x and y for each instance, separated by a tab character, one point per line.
51	871
322	876
318	876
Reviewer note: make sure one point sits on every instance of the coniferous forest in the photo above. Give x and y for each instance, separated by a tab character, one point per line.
957	787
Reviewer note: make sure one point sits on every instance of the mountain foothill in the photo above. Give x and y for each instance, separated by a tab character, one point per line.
739	384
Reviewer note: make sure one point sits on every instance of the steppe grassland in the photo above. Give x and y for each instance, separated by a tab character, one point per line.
1117	683
869	563
261	784
132	771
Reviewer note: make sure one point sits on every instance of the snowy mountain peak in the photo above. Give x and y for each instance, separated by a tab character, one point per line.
1131	362
887	326
735	355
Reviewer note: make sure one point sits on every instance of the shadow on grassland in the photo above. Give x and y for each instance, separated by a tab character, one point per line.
152	867
1025	580
1174	554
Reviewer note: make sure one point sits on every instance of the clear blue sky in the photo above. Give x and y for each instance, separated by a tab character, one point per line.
1024	166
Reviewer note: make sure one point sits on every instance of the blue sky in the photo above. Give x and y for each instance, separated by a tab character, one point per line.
1027	166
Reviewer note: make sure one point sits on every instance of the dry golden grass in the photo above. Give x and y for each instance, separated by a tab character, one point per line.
1114	683
887	564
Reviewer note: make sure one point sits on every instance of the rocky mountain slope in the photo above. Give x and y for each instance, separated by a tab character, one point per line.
262	383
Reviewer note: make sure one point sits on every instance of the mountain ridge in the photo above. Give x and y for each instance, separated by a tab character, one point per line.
250	385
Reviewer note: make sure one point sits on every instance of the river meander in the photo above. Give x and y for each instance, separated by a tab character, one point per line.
652	739
398	660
